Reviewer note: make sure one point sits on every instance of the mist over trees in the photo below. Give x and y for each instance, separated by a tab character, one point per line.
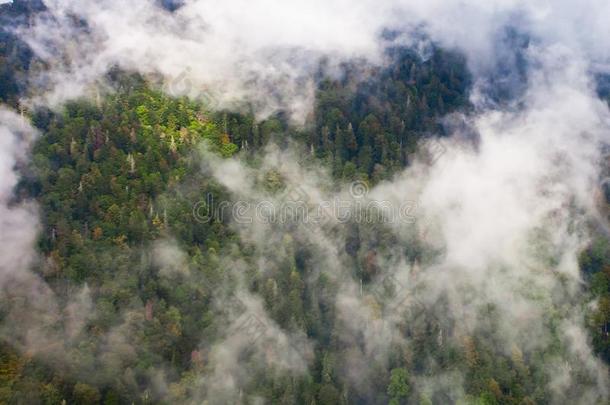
139	262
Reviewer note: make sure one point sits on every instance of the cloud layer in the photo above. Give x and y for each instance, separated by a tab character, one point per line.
501	220
268	52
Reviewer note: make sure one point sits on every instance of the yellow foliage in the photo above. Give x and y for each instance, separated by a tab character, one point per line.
175	329
494	388
177	391
157	221
97	233
470	351
10	368
120	240
225	139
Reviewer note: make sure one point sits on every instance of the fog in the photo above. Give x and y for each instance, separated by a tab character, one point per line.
501	219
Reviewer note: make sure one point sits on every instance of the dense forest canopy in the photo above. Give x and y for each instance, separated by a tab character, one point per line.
164	245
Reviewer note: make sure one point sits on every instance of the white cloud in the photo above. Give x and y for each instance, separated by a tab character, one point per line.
506	215
267	51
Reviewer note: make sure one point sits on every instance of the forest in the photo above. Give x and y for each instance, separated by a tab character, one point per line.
138	300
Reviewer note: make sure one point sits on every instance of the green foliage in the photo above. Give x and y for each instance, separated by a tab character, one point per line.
398	389
595	262
373	129
86	394
114	178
